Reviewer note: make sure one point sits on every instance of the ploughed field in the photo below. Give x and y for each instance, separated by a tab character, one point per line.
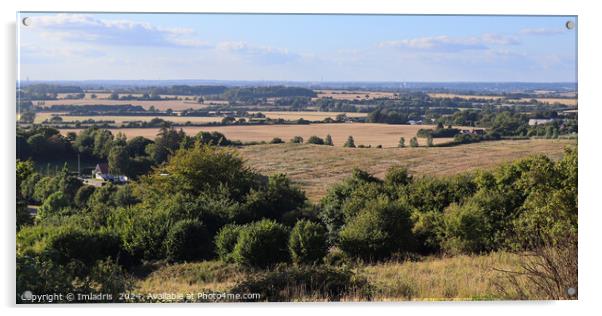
316	168
373	134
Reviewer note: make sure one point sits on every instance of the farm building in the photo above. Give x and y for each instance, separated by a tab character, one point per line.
533	122
101	172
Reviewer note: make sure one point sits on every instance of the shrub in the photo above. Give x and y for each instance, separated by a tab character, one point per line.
328	140
381	228
83	195
350	142
276	140
225	241
261	244
53	204
315	140
466	229
297	140
188	240
85	246
413	142
307	243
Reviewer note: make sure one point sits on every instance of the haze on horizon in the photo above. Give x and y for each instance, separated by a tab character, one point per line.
310	48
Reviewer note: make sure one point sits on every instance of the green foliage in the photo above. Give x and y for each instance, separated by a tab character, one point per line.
402	142
188	240
307	243
350	142
381	228
328	140
202	168
83	195
262	244
280	199
414	142
315	140
119	160
297	140
226	240
276	140
54	204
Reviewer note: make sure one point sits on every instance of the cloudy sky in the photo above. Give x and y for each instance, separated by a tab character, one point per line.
296	47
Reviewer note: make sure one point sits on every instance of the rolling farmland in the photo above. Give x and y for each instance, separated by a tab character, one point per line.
363	133
316	167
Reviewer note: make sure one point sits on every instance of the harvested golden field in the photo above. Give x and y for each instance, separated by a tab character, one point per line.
176	105
463	96
570	102
40	117
353	95
363	133
308	115
550	101
316	168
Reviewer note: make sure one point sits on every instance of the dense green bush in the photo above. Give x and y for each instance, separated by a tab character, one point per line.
226	240
54	204
380	229
76	244
262	244
307	243
188	240
315	140
83	195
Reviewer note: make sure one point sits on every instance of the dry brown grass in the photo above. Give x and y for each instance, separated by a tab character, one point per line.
454	278
206	276
464	277
363	133
316	168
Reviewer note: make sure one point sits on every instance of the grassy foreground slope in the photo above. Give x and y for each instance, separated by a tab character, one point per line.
316	168
433	278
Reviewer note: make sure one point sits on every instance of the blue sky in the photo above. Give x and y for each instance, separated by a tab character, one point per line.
296	47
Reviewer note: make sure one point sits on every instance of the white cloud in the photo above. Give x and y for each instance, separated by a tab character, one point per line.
265	54
85	28
540	31
444	43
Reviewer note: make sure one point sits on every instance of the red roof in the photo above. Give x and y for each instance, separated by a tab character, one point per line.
102	168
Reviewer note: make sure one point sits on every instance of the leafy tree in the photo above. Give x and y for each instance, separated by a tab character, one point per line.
119	160
328	140
54	204
315	140
350	142
414	142
381	228
188	240
307	243
402	142
83	195
276	140
297	140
